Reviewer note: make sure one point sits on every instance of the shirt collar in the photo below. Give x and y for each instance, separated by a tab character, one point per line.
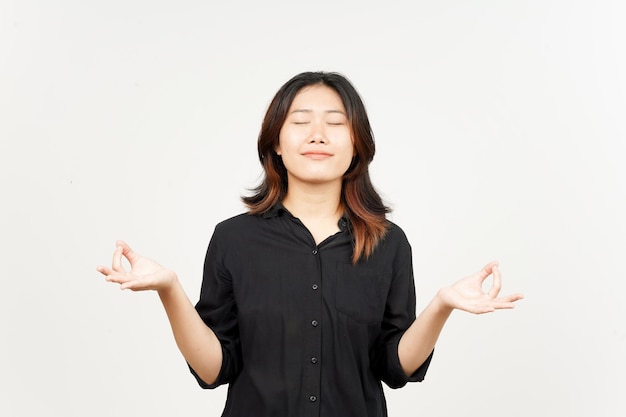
278	210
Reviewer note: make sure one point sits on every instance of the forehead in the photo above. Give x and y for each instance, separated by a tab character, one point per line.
316	97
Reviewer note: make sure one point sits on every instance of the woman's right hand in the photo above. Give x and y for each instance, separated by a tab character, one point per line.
144	274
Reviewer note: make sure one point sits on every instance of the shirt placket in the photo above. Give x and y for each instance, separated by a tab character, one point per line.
313	347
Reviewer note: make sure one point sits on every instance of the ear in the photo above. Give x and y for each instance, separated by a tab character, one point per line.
277	150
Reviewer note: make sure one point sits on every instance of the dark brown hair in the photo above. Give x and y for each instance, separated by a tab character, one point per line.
361	203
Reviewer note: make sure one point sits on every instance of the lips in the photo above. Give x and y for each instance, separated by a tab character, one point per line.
317	154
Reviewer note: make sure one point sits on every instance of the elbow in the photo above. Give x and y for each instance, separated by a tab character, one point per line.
205	378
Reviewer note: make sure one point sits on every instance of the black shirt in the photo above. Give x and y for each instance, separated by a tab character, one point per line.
305	332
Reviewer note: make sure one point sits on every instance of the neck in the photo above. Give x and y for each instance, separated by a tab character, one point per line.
314	200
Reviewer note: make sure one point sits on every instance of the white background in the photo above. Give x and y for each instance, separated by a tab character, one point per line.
500	135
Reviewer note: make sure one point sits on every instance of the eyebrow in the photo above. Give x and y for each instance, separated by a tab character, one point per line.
311	111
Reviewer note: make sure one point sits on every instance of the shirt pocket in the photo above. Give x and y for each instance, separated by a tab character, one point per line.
361	293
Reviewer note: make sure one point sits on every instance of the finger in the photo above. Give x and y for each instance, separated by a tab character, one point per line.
127	251
119	278
491	305
110	275
104	270
502	305
117	259
132	285
497	282
507	302
486	271
137	285
480	309
512	298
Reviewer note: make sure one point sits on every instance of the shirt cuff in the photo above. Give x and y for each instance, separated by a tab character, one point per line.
420	373
220	377
397	377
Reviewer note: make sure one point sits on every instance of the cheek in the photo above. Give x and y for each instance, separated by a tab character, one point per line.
350	155
351	149
347	159
286	141
278	147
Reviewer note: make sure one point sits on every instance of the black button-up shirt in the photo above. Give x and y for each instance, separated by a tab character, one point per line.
305	332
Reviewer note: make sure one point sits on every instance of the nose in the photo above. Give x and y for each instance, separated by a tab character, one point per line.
317	133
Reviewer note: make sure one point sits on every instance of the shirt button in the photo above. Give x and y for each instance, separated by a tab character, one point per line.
313	360
314	252
314	286
314	323
312	398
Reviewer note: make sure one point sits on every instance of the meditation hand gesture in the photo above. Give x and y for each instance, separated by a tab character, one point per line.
144	274
468	295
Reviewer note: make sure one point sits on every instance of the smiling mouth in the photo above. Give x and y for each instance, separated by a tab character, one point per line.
317	155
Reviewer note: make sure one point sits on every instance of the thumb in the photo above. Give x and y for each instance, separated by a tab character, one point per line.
127	252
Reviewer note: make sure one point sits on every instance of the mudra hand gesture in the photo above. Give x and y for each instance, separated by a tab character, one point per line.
144	274
467	294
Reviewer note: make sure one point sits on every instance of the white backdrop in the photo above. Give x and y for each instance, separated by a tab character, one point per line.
500	134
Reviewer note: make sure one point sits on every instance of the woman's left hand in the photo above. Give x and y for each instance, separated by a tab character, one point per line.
468	295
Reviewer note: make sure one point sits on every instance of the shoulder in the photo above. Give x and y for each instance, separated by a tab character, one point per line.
234	233
395	242
237	225
395	233
238	220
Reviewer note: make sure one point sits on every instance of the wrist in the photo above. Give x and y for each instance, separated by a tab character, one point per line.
440	302
170	285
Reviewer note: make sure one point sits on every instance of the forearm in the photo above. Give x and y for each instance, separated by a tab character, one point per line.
419	339
195	340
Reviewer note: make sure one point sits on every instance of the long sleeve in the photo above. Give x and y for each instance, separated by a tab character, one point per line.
399	315
218	310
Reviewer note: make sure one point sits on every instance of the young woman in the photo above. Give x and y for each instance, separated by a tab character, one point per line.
308	301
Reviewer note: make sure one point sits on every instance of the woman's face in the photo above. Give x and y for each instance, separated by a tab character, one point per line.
315	141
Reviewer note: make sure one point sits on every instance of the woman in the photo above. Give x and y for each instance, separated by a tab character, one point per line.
308	300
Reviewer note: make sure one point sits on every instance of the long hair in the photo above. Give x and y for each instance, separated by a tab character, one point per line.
361	203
